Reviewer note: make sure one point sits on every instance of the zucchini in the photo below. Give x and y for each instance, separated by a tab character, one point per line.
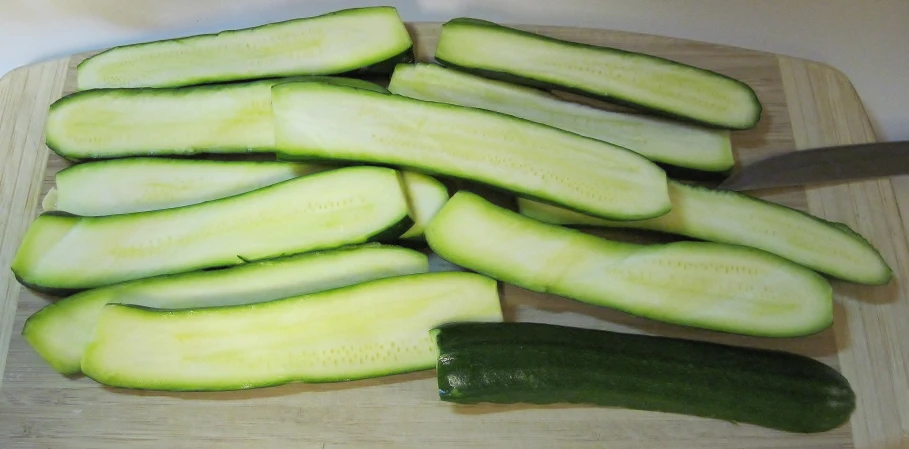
351	40
660	140
510	363
714	286
320	211
731	217
60	331
426	196
642	81
318	121
229	118
123	186
371	329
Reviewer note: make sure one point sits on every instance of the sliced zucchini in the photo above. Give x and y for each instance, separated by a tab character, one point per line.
321	121
510	363
715	286
361	39
736	218
634	79
367	330
325	210
230	118
665	141
61	331
122	186
426	196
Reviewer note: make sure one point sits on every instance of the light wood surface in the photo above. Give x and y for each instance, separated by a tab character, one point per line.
806	105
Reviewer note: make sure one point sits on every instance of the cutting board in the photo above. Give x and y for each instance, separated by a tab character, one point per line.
806	105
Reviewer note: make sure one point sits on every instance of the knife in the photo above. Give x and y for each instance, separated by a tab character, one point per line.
822	165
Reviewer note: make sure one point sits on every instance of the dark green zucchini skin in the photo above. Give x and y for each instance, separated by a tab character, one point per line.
516	79
534	363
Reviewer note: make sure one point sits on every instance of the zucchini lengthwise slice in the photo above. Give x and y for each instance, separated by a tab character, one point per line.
123	186
61	331
736	218
230	118
634	79
371	329
660	140
362	39
715	286
320	211
319	121
510	363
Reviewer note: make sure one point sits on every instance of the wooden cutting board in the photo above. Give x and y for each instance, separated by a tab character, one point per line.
805	105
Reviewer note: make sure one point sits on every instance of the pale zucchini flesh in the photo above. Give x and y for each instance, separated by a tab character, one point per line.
731	217
321	211
660	140
122	186
340	42
60	331
638	80
230	118
371	329
714	286
317	121
129	185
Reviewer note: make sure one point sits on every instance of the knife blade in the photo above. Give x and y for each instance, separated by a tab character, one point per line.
822	165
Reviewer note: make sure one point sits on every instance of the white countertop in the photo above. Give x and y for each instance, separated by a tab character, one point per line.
867	40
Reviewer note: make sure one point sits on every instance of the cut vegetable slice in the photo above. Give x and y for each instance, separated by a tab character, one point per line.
362	39
322	121
510	363
61	331
122	186
366	330
643	81
426	196
709	285
732	217
231	118
320	211
659	140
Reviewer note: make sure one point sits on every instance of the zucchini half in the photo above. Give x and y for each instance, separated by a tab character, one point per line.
665	141
643	81
731	217
222	118
714	286
371	329
60	331
350	40
321	211
318	121
510	363
129	185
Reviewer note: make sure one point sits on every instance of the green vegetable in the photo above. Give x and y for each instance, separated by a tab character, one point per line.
709	285
351	40
543	364
665	141
317	121
731	217
121	186
366	330
60	331
320	211
642	81
222	118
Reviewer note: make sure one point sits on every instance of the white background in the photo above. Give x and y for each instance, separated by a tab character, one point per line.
867	40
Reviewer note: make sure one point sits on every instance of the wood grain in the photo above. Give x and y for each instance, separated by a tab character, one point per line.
805	104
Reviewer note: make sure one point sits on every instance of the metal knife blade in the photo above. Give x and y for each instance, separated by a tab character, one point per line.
821	165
